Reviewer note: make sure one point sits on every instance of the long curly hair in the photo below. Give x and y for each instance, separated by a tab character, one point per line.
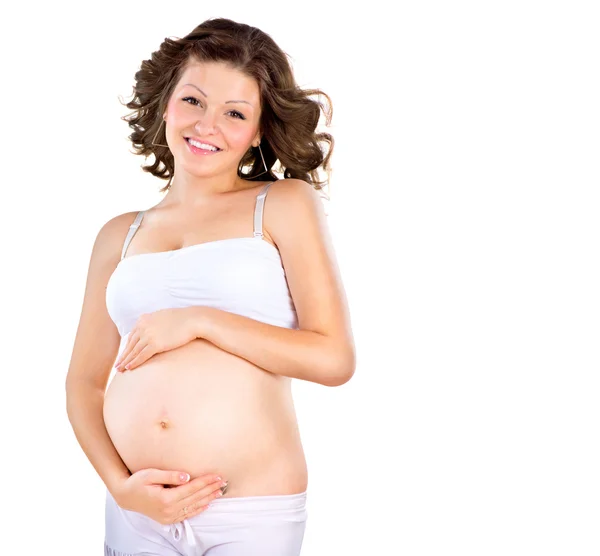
289	118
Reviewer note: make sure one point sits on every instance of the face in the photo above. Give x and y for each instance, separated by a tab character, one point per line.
215	104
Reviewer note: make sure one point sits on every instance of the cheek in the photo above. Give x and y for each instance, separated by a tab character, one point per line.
238	137
179	113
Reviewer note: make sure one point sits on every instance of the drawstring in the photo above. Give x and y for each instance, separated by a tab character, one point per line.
178	529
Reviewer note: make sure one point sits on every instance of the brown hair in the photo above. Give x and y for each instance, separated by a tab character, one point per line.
289	117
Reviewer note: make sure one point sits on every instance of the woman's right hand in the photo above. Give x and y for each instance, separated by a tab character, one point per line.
144	492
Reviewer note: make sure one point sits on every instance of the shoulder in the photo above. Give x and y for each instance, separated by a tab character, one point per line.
111	236
290	203
290	189
295	217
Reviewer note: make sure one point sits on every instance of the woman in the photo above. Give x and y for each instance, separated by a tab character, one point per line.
208	304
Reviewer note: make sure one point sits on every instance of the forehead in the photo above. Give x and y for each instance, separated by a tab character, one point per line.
220	82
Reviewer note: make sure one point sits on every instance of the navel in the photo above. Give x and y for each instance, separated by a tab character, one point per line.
164	423
163	420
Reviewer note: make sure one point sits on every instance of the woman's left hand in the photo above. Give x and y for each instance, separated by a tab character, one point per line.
156	332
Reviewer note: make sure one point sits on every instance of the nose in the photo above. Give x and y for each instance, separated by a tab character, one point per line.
207	124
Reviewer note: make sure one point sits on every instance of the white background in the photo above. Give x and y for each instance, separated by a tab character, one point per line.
464	209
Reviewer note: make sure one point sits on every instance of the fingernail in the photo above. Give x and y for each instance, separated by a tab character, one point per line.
184	477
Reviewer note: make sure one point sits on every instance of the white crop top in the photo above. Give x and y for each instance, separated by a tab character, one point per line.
241	275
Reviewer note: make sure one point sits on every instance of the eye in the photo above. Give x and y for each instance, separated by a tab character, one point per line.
196	102
190	98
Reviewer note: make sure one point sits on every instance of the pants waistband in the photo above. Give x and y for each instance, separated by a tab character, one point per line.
257	503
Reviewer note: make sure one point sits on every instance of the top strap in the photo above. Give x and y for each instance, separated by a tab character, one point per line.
132	229
258	217
258	211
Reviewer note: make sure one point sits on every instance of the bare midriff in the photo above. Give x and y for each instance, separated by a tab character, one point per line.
200	409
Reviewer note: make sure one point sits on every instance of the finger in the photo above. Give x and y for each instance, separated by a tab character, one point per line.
194	507
133	338
142	357
203	496
135	351
167	478
214	489
190	511
204	484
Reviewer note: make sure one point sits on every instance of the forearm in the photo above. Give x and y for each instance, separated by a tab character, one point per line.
294	353
85	411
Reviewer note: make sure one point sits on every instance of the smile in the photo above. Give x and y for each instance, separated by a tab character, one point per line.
201	148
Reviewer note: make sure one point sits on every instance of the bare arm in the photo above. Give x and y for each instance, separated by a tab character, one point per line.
302	354
84	407
323	349
94	352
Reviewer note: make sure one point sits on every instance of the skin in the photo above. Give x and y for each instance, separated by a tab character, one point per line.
200	182
189	113
209	202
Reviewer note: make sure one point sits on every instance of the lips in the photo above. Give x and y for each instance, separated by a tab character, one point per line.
202	141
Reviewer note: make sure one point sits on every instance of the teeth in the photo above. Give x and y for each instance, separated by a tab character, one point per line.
202	145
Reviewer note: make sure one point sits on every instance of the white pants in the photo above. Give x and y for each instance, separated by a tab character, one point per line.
239	526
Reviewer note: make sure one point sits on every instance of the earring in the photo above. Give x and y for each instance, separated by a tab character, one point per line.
158	144
264	163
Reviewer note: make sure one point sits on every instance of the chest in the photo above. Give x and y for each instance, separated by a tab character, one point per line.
243	277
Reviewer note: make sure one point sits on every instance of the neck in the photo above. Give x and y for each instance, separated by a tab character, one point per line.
187	189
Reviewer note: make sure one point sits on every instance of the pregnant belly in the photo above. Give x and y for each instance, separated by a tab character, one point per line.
202	410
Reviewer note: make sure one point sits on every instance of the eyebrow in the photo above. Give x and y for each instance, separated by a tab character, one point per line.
206	96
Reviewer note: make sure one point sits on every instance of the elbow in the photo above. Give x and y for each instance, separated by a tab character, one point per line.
70	388
70	395
77	388
338	379
340	373
67	390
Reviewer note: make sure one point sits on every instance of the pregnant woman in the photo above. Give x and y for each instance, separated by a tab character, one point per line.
204	307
